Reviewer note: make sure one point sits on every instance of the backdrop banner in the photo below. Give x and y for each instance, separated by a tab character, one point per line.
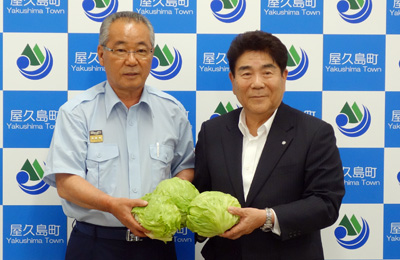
344	67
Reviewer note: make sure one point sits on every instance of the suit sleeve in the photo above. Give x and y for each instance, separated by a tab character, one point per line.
323	188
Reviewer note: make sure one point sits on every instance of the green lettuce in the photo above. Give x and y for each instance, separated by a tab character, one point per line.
161	217
167	209
180	192
208	213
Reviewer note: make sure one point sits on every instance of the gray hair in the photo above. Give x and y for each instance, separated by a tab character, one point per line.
129	16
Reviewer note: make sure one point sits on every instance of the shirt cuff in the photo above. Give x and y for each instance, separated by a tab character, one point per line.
276	229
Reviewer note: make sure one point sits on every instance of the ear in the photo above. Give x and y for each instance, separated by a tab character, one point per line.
285	74
100	53
232	79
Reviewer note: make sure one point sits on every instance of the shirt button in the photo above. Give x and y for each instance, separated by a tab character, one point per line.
134	190
133	157
131	123
98	155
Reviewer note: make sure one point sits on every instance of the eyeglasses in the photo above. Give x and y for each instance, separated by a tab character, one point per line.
142	53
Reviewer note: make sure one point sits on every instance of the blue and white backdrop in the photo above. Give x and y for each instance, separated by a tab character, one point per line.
344	68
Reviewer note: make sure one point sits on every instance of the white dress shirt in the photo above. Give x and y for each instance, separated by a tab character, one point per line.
252	149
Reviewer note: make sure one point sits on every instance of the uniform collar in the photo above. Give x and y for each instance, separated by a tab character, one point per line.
111	99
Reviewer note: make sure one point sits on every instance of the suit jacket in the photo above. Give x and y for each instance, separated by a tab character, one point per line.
299	175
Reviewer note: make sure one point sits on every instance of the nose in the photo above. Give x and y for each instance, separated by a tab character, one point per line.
257	81
131	59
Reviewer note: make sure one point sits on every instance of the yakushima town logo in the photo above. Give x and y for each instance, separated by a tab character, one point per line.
352	122
30	178
297	65
350	234
221	110
354	11
228	11
398	177
98	10
165	65
34	64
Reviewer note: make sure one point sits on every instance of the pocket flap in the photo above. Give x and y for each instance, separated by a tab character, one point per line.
102	152
163	153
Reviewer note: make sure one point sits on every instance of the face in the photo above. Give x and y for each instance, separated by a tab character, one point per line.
129	74
258	84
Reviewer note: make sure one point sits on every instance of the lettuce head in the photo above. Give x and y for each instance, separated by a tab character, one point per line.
208	213
161	217
180	192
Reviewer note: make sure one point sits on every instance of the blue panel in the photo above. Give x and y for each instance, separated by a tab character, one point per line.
295	17
363	174
1	60
392	119
184	244
34	232
169	16
212	63
29	117
188	100
1	176
393	17
35	16
354	62
391	231
308	102
84	69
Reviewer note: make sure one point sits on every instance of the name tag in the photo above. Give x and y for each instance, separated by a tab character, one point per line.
96	136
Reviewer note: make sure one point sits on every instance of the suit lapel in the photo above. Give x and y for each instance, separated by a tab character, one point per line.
232	142
279	139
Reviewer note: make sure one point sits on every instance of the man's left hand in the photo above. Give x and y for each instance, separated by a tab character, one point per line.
250	219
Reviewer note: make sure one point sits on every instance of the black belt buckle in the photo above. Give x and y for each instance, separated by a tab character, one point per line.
130	237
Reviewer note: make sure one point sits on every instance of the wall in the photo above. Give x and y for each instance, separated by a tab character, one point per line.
344	68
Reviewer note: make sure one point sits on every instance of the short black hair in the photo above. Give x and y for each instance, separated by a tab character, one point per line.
257	41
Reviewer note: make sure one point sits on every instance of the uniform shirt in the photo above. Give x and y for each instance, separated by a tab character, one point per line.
252	149
123	152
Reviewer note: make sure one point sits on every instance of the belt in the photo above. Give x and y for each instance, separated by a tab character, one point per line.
117	233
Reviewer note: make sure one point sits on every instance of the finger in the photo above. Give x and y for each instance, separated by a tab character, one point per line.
139	203
142	234
230	235
232	232
139	231
235	211
139	227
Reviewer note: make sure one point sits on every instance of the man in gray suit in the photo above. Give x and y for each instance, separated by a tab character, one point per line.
282	165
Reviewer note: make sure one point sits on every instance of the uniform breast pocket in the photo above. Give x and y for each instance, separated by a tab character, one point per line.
161	157
102	166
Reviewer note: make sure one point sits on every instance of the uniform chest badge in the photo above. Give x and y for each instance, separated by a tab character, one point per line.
96	136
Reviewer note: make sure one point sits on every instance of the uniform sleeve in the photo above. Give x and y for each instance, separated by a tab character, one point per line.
68	148
184	151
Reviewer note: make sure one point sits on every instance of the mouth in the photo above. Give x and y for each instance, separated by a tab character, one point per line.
131	74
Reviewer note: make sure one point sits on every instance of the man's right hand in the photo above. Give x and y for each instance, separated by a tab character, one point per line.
121	208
